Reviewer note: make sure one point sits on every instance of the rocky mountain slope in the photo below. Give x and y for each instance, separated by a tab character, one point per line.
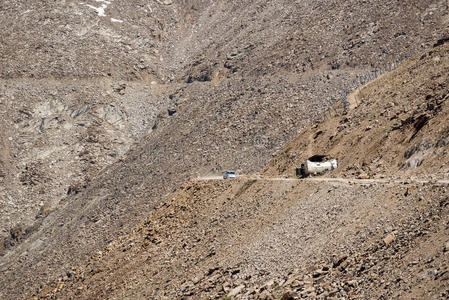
107	106
397	125
275	236
261	239
77	90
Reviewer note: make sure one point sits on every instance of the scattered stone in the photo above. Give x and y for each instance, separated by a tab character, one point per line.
296	283
352	283
290	280
120	89
197	279
309	290
289	296
363	176
269	284
171	111
339	260
251	291
446	247
389	228
317	273
422	275
226	287
389	238
308	281
234	292
165	2
265	295
211	271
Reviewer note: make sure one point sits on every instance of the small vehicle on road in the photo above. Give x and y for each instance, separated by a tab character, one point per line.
229	174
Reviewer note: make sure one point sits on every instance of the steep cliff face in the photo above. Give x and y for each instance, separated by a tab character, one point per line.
107	106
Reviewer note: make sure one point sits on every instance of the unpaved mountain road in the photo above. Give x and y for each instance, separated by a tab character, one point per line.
337	180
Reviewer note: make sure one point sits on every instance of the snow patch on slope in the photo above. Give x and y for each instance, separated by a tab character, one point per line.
100	10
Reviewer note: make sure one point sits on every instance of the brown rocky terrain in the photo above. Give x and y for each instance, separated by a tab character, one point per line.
261	239
397	125
275	236
101	119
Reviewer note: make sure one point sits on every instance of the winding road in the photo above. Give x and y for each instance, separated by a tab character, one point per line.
336	180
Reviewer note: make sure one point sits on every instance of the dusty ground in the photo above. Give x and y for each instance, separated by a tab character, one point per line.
102	119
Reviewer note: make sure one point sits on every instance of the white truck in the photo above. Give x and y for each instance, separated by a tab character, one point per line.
316	164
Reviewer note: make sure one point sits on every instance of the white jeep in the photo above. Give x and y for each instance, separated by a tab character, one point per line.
229	174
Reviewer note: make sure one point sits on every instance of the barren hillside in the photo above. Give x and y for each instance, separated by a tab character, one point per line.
397	125
274	236
211	238
108	106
